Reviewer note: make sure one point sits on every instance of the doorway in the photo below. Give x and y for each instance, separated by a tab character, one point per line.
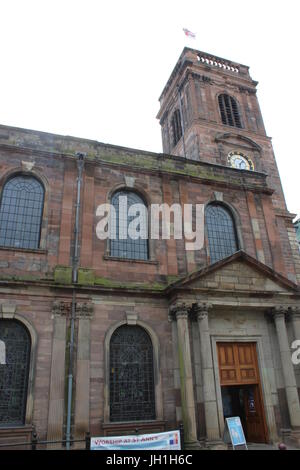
241	388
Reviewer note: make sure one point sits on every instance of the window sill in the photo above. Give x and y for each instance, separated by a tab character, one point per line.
128	260
24	250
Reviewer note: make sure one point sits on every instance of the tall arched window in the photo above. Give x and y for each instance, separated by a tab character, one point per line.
14	373
176	127
129	227
221	232
229	111
21	212
132	394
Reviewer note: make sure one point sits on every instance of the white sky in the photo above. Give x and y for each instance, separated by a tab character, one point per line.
96	68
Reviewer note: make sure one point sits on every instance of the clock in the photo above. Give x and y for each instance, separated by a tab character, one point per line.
240	161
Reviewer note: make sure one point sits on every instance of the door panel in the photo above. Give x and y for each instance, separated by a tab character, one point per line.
237	363
254	414
228	371
246	353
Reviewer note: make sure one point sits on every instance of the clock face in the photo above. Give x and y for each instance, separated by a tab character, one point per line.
240	161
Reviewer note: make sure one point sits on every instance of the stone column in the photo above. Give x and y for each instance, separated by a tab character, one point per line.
57	378
180	312
295	317
84	312
209	388
287	366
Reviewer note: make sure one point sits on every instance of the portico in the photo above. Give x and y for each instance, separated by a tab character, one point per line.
257	324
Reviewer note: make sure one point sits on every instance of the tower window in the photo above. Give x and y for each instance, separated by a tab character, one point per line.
131	375
176	127
21	212
221	232
229	111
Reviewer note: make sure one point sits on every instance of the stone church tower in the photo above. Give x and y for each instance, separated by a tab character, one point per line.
161	336
209	112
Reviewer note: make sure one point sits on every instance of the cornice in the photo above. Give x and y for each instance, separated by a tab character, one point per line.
161	160
34	151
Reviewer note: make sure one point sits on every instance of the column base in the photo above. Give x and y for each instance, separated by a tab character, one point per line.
291	437
216	445
295	438
193	445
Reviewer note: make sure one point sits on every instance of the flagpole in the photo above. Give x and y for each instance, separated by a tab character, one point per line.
181	120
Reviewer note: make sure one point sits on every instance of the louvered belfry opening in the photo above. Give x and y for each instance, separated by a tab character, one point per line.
229	111
176	127
132	396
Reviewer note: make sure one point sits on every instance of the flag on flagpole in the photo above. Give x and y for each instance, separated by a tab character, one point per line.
189	34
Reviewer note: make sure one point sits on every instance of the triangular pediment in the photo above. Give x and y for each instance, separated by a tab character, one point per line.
239	272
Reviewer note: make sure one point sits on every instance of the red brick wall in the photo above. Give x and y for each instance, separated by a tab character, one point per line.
99	181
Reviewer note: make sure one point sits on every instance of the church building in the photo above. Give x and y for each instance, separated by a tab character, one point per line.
117	336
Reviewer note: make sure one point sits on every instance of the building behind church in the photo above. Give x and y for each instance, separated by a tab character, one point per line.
153	335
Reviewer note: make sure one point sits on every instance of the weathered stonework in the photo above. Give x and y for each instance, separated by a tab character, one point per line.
186	305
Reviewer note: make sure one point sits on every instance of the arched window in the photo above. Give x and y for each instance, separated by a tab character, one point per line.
132	394
221	232
14	373
21	212
176	127
129	226
229	111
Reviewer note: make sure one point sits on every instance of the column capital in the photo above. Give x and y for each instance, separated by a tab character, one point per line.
180	310
84	310
294	312
277	312
60	308
201	310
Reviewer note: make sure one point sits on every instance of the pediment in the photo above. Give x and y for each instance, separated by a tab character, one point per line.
232	139
239	272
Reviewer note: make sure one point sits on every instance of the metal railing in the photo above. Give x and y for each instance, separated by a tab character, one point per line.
35	442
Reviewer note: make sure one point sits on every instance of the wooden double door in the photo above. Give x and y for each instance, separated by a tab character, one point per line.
241	388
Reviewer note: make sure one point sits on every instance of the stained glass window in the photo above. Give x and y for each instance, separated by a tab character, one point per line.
229	111
221	232
127	247
21	212
14	371
131	375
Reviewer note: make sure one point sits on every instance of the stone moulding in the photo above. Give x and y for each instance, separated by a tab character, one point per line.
63	308
146	162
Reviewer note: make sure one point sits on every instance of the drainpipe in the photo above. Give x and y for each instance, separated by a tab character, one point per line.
75	262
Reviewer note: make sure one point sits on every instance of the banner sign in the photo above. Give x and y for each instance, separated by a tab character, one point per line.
160	441
236	432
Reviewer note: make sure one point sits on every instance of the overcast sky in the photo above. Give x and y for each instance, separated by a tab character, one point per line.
95	68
